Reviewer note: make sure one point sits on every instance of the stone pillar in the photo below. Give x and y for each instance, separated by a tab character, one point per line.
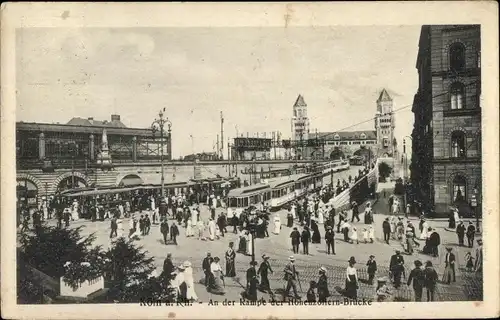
91	147
134	149
169	144
41	146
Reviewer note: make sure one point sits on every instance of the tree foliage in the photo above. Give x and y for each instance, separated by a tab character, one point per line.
399	188
126	268
49	248
384	171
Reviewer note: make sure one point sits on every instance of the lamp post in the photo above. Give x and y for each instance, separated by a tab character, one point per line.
159	125
405	164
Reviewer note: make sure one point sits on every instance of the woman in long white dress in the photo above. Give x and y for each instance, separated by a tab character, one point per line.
153	206
200	228
189	280
293	210
74	211
277	224
194	217
425	233
211	229
249	243
321	215
189	229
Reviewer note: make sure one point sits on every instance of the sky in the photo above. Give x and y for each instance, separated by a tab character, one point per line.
253	75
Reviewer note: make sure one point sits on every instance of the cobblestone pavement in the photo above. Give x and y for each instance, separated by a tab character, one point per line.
467	287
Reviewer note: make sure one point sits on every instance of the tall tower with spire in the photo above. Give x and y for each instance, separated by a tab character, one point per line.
385	124
300	121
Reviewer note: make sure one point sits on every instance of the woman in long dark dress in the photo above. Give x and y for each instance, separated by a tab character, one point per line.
351	282
316	236
451	221
230	265
242	246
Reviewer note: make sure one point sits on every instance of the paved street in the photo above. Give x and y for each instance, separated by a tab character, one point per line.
467	287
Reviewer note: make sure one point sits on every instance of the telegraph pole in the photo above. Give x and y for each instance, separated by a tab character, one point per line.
221	136
218	149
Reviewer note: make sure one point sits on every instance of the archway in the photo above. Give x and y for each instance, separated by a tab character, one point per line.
130	180
71	182
365	153
336	154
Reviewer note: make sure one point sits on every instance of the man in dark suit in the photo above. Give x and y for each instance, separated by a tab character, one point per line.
471	231
386	227
295	236
291	275
330	239
305	238
206	269
322	286
449	267
418	277
174	232
355	212
396	268
461	233
164	229
168	268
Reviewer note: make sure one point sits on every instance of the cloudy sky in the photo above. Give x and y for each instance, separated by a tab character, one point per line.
253	75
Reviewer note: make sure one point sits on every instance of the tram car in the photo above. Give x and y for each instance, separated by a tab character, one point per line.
275	193
242	198
335	166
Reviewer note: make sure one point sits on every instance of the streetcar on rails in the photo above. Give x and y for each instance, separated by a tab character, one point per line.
274	193
335	166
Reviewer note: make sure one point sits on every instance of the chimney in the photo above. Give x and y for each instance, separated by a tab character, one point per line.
90	118
115	117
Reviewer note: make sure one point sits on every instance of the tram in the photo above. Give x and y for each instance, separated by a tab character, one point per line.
275	193
335	166
242	198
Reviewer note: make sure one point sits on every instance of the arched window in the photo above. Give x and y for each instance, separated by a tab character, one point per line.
459	187
363	136
457	95
336	137
457	57
458	144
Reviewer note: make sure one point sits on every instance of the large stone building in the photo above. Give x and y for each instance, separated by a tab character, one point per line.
446	148
51	158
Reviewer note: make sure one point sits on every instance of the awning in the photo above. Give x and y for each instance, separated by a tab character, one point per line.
131	180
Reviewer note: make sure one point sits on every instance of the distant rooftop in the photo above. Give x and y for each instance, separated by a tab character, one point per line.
346	135
114	123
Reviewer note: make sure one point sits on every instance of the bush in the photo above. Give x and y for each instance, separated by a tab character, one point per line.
384	171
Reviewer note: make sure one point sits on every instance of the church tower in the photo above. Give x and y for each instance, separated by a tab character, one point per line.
384	125
300	121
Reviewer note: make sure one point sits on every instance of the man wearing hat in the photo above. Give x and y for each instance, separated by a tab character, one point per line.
471	231
322	285
461	233
291	276
252	282
396	267
264	269
355	212
449	266
430	280
372	269
295	236
206	269
418	278
305	238
168	268
330	240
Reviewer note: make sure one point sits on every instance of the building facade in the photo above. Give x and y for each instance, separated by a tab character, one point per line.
446	148
251	149
65	156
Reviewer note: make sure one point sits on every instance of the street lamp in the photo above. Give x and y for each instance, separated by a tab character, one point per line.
405	164
159	125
